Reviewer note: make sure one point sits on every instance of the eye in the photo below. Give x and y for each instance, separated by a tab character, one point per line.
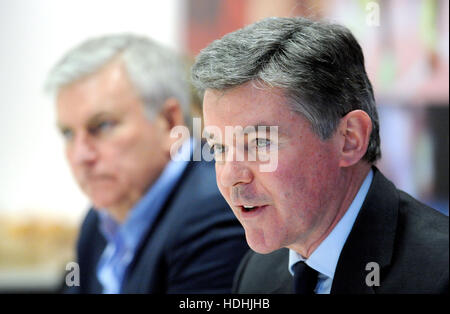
67	134
105	125
102	127
262	142
217	149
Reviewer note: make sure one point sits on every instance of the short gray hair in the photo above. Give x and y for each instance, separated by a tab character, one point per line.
156	72
320	67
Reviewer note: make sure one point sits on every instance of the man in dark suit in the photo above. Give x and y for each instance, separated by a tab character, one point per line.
291	116
158	222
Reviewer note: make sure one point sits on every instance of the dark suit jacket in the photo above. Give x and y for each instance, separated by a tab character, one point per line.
408	240
194	246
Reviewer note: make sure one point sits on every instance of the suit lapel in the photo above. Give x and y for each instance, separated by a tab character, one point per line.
371	238
284	282
135	276
281	280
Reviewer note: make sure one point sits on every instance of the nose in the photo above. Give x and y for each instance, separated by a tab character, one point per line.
82	150
233	172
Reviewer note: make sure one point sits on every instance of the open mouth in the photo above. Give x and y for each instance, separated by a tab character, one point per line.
249	209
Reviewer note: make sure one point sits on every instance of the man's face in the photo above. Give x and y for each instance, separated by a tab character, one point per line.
114	151
295	203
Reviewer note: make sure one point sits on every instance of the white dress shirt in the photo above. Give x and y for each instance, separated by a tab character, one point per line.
325	257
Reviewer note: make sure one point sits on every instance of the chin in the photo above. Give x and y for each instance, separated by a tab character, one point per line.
104	195
259	244
103	201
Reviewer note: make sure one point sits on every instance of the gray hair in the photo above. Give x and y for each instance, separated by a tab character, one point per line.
319	66
155	71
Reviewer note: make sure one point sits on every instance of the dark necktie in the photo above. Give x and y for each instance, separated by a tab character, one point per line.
305	278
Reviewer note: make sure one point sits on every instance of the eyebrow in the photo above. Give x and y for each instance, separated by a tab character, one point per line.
99	116
92	120
253	127
259	125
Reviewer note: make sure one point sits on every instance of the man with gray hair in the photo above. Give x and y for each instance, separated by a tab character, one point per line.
157	225
325	220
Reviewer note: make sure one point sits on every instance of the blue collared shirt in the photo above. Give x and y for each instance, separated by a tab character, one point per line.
123	239
325	257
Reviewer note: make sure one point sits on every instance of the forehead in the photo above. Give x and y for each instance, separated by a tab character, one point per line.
108	90
248	105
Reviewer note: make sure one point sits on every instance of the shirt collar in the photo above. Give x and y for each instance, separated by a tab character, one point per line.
146	209
325	257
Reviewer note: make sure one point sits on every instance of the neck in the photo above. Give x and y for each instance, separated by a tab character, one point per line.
352	179
120	210
119	213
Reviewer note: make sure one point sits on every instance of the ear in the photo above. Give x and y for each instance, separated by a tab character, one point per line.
171	116
354	131
171	113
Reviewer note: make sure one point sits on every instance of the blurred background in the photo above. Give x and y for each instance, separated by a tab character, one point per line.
406	46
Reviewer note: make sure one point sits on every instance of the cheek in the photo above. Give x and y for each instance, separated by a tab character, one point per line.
137	159
68	154
303	181
290	193
122	160
126	148
222	189
76	167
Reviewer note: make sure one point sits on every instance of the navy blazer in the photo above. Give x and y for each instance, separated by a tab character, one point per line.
408	240
194	246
